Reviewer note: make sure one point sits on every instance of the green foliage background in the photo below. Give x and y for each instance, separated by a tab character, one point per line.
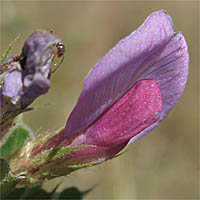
163	164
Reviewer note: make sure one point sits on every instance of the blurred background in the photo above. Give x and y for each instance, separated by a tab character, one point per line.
162	165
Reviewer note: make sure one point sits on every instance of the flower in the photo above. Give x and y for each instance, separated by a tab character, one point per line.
27	76
152	52
126	95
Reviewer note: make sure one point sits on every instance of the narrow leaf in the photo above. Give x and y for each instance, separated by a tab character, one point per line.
73	193
5	55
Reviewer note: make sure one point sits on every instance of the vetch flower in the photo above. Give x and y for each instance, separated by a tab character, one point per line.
127	94
155	52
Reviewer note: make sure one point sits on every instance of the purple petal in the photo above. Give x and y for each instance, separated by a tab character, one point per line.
153	51
3	102
12	85
38	49
39	86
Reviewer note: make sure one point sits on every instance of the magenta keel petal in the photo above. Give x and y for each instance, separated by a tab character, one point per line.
136	110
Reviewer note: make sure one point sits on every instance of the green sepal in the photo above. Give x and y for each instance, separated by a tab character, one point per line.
53	155
80	166
58	153
46	162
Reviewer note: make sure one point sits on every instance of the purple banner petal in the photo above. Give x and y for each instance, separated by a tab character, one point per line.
153	51
171	70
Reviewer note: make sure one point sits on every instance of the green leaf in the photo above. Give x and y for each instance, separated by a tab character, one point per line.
36	193
73	193
28	193
8	181
15	194
31	193
16	139
4	169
